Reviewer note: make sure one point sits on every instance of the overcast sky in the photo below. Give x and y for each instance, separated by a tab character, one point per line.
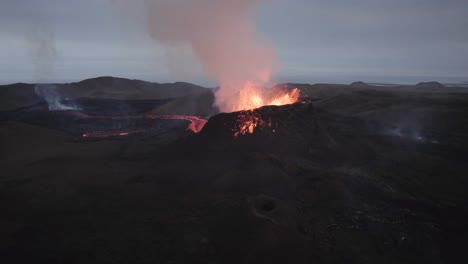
316	40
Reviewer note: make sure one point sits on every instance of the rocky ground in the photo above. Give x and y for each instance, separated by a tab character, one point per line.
354	174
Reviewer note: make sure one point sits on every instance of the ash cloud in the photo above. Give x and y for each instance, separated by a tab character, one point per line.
221	35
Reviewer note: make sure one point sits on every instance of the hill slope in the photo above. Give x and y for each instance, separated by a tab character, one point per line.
20	95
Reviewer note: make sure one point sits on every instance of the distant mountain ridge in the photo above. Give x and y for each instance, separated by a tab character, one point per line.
22	94
430	85
121	88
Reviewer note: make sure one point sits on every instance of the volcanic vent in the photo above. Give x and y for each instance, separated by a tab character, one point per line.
251	97
293	127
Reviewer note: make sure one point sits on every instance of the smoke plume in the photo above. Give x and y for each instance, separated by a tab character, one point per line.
43	50
222	36
51	95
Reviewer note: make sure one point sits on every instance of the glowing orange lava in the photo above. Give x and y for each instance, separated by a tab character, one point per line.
196	123
252	97
248	121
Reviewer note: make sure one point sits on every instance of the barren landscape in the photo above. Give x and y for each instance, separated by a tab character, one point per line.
111	170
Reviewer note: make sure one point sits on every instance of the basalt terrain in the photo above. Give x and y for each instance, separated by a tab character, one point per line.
118	171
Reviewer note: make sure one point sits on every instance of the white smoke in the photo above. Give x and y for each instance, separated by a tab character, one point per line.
55	101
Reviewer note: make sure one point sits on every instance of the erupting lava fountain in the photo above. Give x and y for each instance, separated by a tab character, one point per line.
251	97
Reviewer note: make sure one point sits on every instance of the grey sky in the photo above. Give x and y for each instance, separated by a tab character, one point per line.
315	40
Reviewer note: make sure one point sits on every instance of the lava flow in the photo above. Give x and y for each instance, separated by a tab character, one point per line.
252	97
196	123
106	134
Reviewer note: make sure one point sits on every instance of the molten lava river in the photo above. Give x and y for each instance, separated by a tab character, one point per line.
196	123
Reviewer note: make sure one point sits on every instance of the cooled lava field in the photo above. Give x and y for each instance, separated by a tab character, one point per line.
349	174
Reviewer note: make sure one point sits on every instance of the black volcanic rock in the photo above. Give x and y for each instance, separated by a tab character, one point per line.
294	128
275	118
313	184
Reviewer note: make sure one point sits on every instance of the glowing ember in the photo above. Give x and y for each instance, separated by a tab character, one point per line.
252	96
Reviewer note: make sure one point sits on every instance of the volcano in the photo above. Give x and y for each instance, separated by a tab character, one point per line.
269	126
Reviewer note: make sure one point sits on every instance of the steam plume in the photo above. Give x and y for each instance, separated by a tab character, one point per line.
51	95
222	36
